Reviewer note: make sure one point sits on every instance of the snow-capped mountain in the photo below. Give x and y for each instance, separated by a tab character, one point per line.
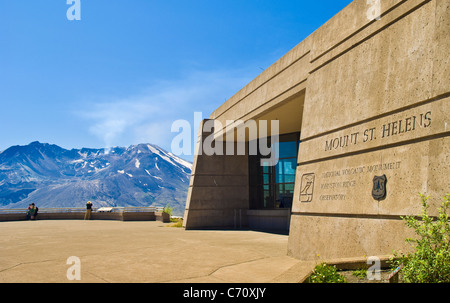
50	176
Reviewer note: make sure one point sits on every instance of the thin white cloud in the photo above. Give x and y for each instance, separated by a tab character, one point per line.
147	117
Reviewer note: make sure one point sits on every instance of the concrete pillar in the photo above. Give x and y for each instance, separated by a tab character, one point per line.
218	195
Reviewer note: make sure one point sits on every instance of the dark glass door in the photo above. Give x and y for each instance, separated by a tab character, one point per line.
273	186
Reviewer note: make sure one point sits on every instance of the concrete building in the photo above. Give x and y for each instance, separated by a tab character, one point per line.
363	106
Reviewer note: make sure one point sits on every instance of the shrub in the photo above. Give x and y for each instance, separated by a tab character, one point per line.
430	261
168	209
324	273
178	222
360	273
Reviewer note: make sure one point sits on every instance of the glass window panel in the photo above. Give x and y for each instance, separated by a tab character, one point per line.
289	178
290	166
284	195
266	179
276	183
267	198
289	188
279	172
287	149
285	171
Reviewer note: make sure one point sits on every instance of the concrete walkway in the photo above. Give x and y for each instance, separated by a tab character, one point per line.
122	252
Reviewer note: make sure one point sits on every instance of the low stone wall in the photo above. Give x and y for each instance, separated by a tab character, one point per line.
138	216
121	216
106	216
12	217
60	216
269	219
163	217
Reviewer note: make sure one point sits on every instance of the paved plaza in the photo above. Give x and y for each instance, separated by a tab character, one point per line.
123	252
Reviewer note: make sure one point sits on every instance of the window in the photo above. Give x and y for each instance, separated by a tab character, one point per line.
273	186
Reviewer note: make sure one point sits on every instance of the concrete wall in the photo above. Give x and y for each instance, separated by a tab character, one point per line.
277	220
279	83
218	189
375	101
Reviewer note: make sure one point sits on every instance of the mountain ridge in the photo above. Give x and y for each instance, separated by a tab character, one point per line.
51	176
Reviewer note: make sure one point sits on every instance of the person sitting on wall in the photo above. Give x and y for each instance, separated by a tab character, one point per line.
31	211
87	216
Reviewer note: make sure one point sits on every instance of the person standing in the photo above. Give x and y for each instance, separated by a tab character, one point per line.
36	209
87	216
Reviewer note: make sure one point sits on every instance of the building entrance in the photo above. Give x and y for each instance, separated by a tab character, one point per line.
272	187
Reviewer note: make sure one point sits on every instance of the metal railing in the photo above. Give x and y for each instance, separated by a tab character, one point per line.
139	209
13	211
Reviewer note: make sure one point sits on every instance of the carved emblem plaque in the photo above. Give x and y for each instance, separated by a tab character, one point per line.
379	187
307	188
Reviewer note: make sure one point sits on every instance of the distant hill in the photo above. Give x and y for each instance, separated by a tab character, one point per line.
51	176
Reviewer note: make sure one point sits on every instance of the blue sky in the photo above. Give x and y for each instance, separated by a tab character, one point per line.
129	68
